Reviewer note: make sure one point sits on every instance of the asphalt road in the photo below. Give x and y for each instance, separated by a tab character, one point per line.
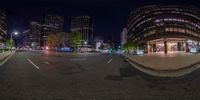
56	76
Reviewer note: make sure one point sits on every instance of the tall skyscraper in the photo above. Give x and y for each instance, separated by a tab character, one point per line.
50	24
123	36
83	25
26	36
3	31
165	29
32	35
35	34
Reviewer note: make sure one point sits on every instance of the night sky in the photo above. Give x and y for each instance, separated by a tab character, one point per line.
110	15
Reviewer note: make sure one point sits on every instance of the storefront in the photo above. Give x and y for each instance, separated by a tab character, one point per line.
172	45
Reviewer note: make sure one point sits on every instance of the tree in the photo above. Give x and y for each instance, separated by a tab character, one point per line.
128	46
10	43
60	37
56	40
75	40
51	40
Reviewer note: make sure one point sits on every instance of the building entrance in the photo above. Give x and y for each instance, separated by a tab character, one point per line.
167	46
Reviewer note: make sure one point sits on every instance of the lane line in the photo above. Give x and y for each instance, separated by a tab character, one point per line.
33	64
109	61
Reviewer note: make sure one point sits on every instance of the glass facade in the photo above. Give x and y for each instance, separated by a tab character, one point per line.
169	45
3	31
165	29
83	25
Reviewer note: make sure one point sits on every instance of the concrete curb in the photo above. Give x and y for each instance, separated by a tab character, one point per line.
5	59
163	73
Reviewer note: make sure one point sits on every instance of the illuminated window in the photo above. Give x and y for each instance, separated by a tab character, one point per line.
167	29
158	20
182	30
171	29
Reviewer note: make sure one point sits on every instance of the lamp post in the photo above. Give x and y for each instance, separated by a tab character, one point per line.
85	47
11	37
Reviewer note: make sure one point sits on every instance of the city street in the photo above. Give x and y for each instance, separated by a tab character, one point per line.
100	50
55	76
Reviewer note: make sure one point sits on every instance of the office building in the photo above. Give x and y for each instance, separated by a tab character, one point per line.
3	25
50	24
83	25
32	35
165	29
123	36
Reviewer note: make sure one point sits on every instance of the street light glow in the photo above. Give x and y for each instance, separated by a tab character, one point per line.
47	47
15	33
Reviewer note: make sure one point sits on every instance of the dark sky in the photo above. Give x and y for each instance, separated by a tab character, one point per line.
110	15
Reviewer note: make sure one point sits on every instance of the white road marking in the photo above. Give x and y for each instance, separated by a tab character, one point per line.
109	61
46	63
33	64
78	59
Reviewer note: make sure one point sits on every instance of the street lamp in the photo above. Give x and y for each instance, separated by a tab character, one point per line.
15	33
11	36
85	42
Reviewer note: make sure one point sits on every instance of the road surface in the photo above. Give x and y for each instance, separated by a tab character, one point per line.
55	76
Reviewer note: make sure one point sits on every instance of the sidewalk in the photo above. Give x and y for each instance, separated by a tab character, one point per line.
168	62
171	65
4	56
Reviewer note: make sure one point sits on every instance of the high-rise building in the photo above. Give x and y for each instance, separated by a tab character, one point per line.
98	41
123	36
35	29
32	36
83	25
3	31
165	29
26	36
50	24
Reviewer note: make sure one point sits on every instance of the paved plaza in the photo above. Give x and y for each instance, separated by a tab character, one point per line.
167	62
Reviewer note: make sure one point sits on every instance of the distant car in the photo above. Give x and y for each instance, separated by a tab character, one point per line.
104	51
13	48
193	50
140	52
21	49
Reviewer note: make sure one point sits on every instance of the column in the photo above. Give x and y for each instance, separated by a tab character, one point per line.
186	47
148	48
198	46
165	47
